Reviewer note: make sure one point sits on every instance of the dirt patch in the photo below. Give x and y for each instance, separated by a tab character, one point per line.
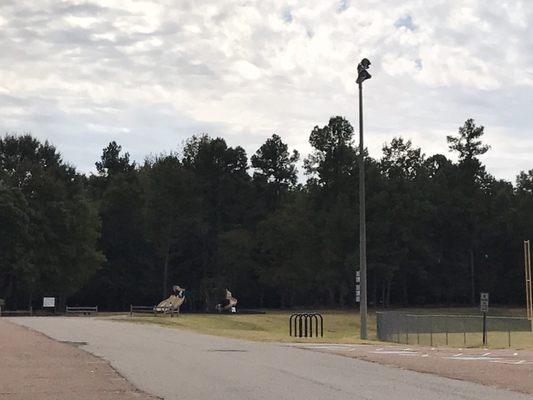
36	367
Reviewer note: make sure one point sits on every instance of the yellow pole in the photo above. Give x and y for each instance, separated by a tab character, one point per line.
528	252
527	267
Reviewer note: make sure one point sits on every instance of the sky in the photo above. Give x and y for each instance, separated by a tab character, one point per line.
149	74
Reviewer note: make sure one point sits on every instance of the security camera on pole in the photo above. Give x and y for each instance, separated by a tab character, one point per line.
362	75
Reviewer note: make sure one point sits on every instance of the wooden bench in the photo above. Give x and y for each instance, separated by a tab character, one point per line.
142	310
82	310
16	313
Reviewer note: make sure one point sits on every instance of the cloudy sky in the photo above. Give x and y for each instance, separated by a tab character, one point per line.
149	74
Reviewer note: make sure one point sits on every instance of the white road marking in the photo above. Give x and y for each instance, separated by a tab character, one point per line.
399	352
410	352
512	362
471	358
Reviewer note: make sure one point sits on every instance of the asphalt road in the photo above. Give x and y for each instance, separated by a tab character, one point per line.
175	364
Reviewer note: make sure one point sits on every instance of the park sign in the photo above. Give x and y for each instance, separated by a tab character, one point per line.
49	302
484	302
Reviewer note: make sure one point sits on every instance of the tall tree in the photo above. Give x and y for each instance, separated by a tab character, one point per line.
173	214
468	144
63	223
120	198
225	192
275	168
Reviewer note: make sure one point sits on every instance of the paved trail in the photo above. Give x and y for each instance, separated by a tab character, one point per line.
175	364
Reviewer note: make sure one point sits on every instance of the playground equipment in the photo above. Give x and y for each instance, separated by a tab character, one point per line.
228	304
173	303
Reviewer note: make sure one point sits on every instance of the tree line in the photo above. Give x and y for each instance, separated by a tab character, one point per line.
206	217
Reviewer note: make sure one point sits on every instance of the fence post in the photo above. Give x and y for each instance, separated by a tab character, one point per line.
485	338
431	331
398	323
464	331
406	329
509	336
446	328
131	310
417	331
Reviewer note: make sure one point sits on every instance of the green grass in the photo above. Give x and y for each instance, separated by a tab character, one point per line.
340	326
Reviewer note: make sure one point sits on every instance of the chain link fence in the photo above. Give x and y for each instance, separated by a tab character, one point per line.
443	329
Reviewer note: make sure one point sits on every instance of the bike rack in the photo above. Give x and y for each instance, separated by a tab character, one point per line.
301	324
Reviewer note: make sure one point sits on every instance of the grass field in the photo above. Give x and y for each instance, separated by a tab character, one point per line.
339	327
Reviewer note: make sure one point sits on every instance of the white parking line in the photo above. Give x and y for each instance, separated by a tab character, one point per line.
498	357
471	358
512	362
399	352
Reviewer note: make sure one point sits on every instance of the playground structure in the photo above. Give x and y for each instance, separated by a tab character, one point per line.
173	303
228	304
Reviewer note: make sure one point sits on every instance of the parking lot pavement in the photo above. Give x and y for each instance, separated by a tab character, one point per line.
179	364
505	368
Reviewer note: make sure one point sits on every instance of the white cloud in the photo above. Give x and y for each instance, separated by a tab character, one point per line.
151	73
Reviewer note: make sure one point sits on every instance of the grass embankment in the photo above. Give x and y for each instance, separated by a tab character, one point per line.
339	326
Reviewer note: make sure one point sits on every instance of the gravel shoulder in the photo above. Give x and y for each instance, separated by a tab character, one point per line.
33	366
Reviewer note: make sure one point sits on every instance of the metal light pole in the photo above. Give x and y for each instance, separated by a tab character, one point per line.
362	75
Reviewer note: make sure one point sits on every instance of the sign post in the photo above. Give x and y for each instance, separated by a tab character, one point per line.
484	306
357	286
49	302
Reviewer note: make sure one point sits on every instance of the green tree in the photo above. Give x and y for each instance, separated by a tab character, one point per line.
275	169
63	223
173	216
333	158
16	268
226	196
127	269
468	144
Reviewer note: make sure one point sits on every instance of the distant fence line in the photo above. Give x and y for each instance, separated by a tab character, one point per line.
82	310
16	313
400	327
